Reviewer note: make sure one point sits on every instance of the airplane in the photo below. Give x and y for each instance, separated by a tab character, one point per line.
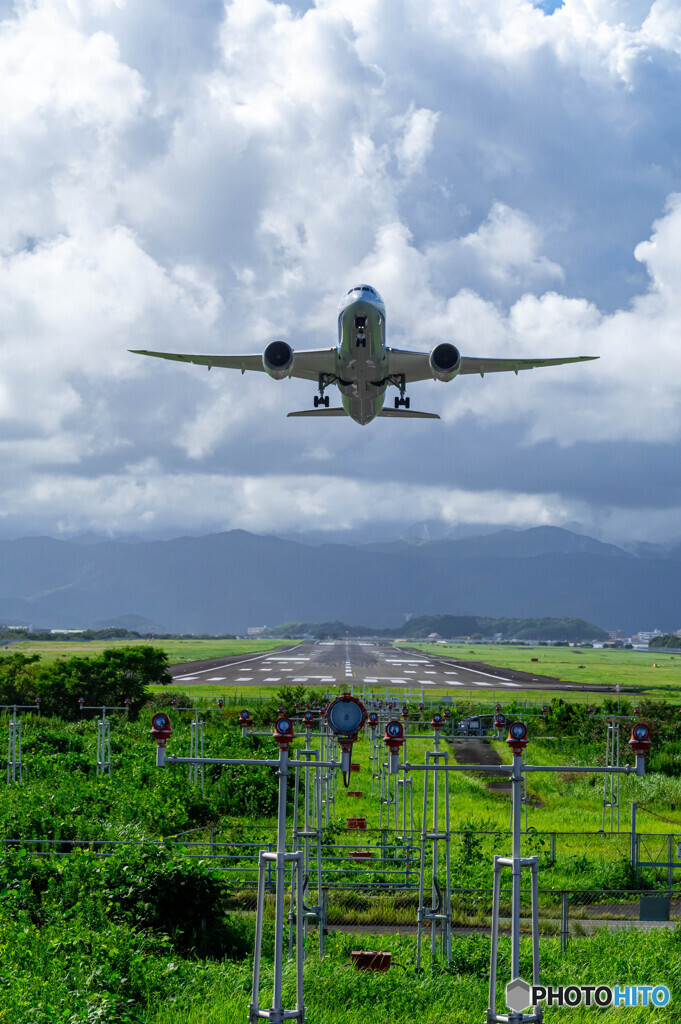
361	365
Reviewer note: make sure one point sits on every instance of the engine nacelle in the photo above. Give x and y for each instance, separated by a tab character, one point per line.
445	361
278	359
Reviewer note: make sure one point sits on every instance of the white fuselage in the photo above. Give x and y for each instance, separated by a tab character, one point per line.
362	358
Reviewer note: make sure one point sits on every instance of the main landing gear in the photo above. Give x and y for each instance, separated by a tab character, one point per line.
403	399
321	399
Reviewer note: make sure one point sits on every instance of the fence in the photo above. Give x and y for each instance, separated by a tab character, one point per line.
563	915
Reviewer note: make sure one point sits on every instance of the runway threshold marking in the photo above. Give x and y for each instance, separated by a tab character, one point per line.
228	664
490	675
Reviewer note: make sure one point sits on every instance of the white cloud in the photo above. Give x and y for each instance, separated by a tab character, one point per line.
175	180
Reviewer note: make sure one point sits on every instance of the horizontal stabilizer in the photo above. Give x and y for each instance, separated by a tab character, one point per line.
335	410
409	414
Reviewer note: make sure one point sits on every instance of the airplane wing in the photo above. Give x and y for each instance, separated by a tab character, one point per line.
416	365
307	364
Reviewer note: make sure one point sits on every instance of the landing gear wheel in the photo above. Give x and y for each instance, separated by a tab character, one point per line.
316	401
326	401
406	403
397	403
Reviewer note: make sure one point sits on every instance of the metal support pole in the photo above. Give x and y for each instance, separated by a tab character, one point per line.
14	762
564	920
104	745
276	1014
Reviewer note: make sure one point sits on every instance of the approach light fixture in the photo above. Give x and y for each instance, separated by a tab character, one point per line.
517	738
283	732
394	739
640	742
345	717
160	731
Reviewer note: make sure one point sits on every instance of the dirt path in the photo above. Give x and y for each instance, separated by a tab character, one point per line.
476	751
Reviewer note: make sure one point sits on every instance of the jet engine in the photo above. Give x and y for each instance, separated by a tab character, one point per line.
445	361
278	359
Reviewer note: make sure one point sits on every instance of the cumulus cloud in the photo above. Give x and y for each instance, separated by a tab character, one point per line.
209	177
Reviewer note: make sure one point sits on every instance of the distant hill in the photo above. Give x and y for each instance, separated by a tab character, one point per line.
454	626
226	582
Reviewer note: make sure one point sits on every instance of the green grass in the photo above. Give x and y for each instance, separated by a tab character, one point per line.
579	665
178	651
67	974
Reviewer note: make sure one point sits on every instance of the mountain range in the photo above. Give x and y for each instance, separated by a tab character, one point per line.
226	582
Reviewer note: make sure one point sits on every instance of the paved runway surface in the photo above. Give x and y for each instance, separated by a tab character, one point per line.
360	662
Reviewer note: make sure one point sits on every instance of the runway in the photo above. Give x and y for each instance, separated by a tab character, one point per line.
376	664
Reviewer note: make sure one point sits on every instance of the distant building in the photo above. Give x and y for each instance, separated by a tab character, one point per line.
256	630
645	636
616	634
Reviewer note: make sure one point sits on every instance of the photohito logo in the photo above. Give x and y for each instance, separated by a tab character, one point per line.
519	995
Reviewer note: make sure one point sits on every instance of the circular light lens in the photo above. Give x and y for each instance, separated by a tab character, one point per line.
641	732
373	717
244	714
284	725
437	717
345	716
393	729
160	721
518	731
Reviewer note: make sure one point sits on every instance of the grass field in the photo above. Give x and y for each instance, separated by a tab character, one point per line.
178	651
656	674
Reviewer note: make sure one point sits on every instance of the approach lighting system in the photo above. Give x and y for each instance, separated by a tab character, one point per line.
81	702
420	707
499	722
447	714
517	738
544	710
37	702
174	702
220	703
405	712
345	717
590	709
637	711
308	719
245	722
394	739
373	722
283	732
436	721
281	709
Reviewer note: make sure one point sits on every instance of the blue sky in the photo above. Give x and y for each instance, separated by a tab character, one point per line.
209	176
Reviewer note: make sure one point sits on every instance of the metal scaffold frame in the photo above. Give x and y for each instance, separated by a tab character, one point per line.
15	764
517	740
